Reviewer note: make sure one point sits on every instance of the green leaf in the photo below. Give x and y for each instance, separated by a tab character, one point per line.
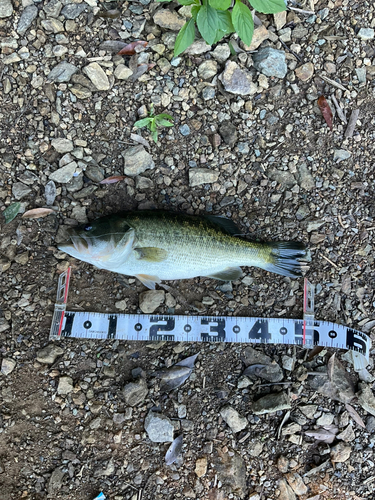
11	212
243	22
219	4
225	22
142	123
185	37
164	123
164	1
207	21
165	115
187	2
194	11
268	6
154	135
153	125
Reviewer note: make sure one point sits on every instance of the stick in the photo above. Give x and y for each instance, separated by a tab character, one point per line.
309	12
328	260
352	123
340	112
332	82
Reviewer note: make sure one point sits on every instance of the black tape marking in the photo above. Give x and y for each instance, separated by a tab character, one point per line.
259	331
168	327
112	326
67	331
219	329
87	325
356	340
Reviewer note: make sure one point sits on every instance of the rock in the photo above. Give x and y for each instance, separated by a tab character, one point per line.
221	53
81	92
11	59
198	176
347	434
313	225
252	356
231	471
255	448
28	15
283	177
286	492
366	398
20	190
48	354
228	132
340	155
271	403
50	192
283	464
149	301
279	19
325	419
305	72
235	421
198	47
236	80
53	8
97	76
260	34
208	93
370	423
62	145
55	481
65	385
6	8
94	173
73	10
340	387
64	174
135	392
366	34
159	428
270	372
270	62
62	72
207	69
122	72
201	466
184	130
7	366
340	452
296	483
137	160
305	179
52	25
4	325
168	19
302	212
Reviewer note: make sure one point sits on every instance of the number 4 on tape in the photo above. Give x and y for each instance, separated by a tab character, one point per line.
306	332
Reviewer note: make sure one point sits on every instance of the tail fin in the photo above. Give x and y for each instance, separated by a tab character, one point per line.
284	258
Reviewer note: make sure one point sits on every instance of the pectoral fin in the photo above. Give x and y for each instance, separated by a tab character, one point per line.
151	254
228	274
148	280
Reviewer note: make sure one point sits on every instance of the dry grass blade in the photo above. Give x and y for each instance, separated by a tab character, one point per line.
355	415
36	213
113	179
331	366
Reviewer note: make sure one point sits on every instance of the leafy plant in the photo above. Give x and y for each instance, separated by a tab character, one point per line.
153	122
216	19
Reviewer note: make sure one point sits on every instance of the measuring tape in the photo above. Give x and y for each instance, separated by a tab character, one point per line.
307	332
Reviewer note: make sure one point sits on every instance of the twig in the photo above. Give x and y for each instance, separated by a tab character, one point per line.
328	260
339	109
332	82
290	50
352	123
309	12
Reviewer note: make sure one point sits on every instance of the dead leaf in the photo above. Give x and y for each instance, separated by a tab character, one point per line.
141	69
331	366
131	48
174	450
314	352
326	111
354	415
140	139
36	213
113	179
324	435
175	376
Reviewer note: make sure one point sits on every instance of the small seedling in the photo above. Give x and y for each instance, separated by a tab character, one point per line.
153	122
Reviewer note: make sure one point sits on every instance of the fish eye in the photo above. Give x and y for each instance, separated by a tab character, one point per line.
87	227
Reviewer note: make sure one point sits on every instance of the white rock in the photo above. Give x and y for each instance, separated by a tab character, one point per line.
62	145
122	72
7	366
198	176
151	300
65	385
235	421
97	76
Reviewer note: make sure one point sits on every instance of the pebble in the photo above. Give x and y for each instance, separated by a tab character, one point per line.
97	76
199	176
53	8
201	466
159	428
122	72
207	69
62	145
4	325
168	19
64	174
65	385
283	177
279	19
270	62
255	448
270	372
340	452
73	10
19	190
48	354
137	160
7	366
366	34
6	8
366	398
208	93
94	173
28	15
231	471
52	25
296	483
260	34
62	72
235	421
135	392
55	481
149	301
305	72
228	132
184	130
236	80
286	492
305	179
221	53
341	154
370	424
271	403
198	47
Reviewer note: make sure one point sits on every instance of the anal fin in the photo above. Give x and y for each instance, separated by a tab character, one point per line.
228	274
148	280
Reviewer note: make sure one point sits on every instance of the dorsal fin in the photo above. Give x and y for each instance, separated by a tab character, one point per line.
225	224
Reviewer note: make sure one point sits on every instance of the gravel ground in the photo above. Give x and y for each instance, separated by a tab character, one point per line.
250	143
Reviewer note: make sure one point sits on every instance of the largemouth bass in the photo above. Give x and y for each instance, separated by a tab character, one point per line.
158	245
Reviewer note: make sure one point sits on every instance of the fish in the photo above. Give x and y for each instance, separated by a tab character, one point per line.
157	245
